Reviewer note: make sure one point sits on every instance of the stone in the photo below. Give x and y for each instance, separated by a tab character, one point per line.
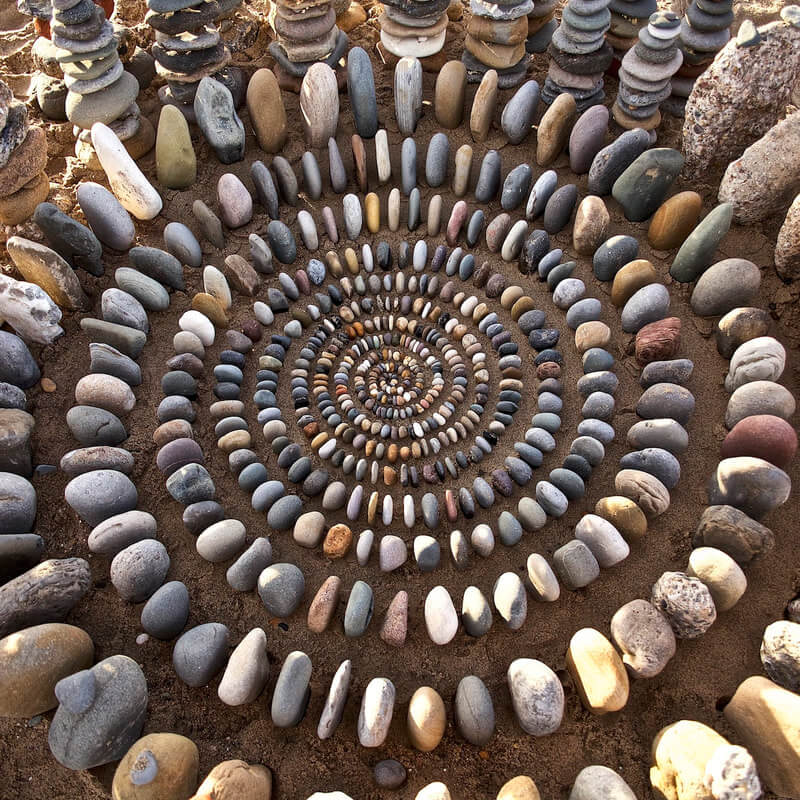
760	359
450	91
764	716
519	112
441	619
586	138
680	753
176	163
100	715
84	110
603	539
647	491
221	541
408	94
554	129
787	247
281	588
614	159
591	224
247	670
109	221
696	253
474	711
139	569
375	717
361	89
358	613
733	532
395	625
335	702
433	791
200	653
720	573
726	285
34	660
674	220
319	104
266	110
536	696
613	255
558	210
159	765
598	672
73	241
236	778
519	788
732	769
427	719
134	192
759	397
750	484
728	114
46	268
761	436
217	119
598	780
30	310
686	602
780	653
642	187
95	496
389	774
483	106
165	614
644	636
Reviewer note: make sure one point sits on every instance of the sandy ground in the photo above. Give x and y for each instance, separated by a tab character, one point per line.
695	685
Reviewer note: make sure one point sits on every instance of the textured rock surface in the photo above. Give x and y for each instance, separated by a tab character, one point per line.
740	96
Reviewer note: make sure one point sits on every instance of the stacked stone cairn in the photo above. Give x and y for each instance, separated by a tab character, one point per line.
645	72
496	36
541	26
40	10
628	17
307	33
414	28
98	87
579	53
705	30
187	48
23	157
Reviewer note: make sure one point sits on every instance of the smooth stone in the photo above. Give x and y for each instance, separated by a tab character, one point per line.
165	614
554	129
247	670
586	138
697	251
335	701
510	600
643	186
109	361
674	220
559	208
720	573
95	496
780	653
73	241
575	565
408	94
361	89
389	774
591	225
191	484
266	109
759	397
216	116
483	106
101	713
750	484
600	781
242	575
645	638
165	764
441	619
603	539
176	162
686	603
281	588
598	672
210	223
319	104
426	719
519	112
540	194
763	358
200	653
139	569
131	188
536	696
250	781
474	711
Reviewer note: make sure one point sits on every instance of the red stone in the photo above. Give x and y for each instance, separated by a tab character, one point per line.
457	218
549	369
762	436
658	341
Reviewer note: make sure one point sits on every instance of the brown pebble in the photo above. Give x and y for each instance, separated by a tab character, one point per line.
252	329
483	106
549	369
360	161
624	515
395	624
337	541
633	276
172	430
451	88
674	220
323	606
48	385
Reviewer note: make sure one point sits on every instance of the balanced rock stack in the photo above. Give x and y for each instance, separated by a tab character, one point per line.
579	53
645	72
23	157
628	18
187	48
99	89
541	26
705	30
496	36
307	32
414	28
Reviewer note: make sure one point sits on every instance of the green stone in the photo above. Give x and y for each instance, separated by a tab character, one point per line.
643	187
697	252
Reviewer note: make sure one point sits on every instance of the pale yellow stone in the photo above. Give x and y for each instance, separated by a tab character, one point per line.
598	672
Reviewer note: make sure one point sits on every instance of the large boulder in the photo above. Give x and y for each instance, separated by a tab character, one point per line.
740	96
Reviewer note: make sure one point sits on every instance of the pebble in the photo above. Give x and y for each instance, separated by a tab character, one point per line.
375	716
559	208
731	769
239	779
674	220
139	569
474	711
591	224
519	112
761	359
575	565
762	436
221	541
408	94
739	326
510	600
733	532
236	204
519	788
666	400
657	462
292	692
614	159
266	110
101	713
176	162
483	106
697	251
390	774
164	764
165	614
598	672
603	539
720	573
541	192
750	484
598	780
536	696
759	397
395	625
441	619
643	186
247	671
666	434
554	129
97	495
646	305
586	138
358	613
333	709
644	636
281	588
319	104
200	653
426	720
217	119
686	602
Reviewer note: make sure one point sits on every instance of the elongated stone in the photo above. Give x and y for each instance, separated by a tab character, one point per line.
408	94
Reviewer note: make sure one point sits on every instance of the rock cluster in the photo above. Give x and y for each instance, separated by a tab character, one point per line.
541	26
645	72
306	33
187	48
495	40
705	30
579	53
99	88
414	28
23	158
